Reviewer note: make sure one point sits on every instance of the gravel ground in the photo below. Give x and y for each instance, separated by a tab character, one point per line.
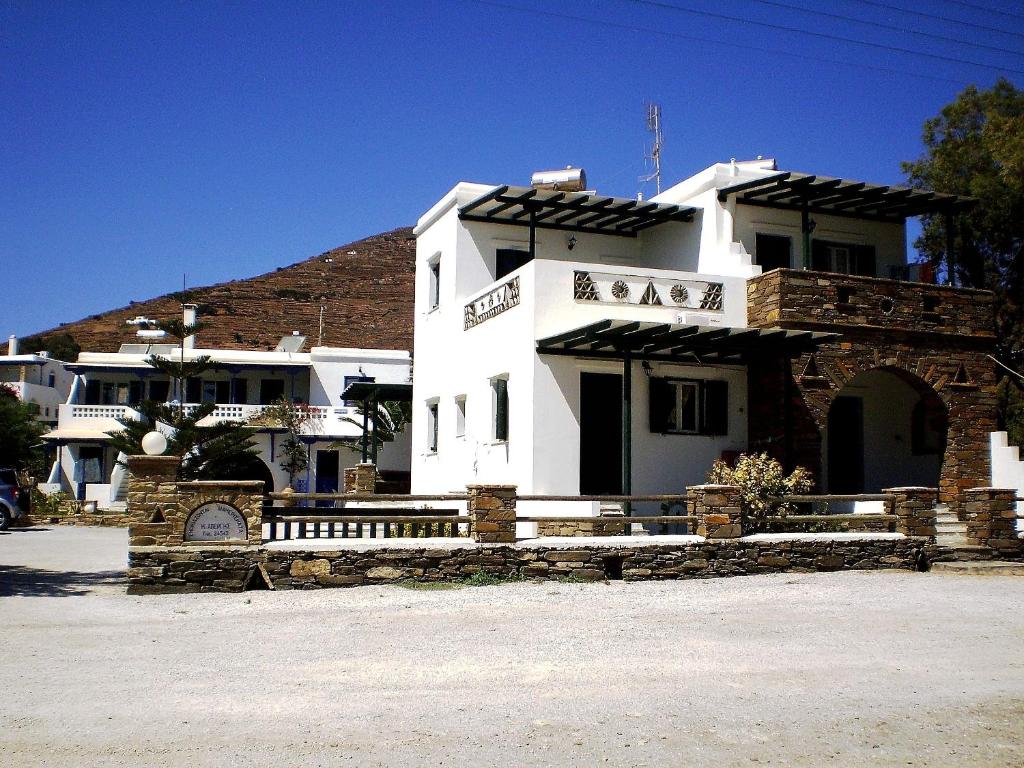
794	670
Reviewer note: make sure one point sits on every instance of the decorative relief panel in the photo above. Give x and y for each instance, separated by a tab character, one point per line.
651	291
492	303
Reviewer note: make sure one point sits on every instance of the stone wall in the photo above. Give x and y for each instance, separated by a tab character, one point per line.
943	348
570	527
184	569
991	518
492	513
823	299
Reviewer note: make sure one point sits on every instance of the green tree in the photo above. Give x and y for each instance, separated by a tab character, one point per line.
222	450
61	346
391	419
293	418
20	433
975	147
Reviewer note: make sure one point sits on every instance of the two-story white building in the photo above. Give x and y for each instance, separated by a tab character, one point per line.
108	387
37	379
573	343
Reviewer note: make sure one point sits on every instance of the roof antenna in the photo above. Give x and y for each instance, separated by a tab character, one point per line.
654	156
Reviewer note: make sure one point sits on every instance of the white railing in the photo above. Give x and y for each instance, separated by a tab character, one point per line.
101	412
327	420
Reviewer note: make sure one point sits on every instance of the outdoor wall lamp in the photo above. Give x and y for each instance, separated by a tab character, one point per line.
646	365
572	242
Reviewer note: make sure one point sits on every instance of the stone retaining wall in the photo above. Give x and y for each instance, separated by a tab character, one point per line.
232	569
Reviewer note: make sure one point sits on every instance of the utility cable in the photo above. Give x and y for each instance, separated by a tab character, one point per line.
986	9
822	35
890	27
713	41
936	17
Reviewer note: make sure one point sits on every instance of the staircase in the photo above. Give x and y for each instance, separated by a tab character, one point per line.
951	532
1007	468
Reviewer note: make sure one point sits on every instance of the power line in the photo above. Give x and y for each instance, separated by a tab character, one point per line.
986	8
890	27
936	17
713	41
823	35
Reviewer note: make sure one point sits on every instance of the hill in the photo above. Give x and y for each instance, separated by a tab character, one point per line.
365	288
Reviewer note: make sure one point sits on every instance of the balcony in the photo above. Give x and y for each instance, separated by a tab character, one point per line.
94	418
324	420
573	294
790	298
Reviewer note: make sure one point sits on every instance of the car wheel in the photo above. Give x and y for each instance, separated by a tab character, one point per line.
5	518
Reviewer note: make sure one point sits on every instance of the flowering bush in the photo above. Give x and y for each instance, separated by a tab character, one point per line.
761	479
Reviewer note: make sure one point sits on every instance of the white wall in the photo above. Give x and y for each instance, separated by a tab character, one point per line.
1007	468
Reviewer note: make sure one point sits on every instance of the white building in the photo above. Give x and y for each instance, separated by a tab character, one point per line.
573	343
108	387
36	379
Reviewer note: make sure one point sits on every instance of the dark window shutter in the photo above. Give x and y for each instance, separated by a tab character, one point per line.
819	256
241	391
92	393
134	392
223	391
865	264
662	400
159	389
193	390
716	408
500	409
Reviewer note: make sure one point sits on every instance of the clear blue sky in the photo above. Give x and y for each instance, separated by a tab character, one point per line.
140	141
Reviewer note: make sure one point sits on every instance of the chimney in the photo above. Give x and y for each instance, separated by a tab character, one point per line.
12	345
188	317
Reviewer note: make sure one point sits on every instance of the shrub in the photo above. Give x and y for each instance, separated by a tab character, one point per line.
761	479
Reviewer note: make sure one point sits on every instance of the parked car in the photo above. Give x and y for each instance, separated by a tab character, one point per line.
10	492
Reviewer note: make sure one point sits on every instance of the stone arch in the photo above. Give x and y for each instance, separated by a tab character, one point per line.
253	468
790	400
885	427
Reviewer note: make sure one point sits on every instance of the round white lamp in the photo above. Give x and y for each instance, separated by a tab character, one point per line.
154	443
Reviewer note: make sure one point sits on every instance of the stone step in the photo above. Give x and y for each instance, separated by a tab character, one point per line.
958	528
980	568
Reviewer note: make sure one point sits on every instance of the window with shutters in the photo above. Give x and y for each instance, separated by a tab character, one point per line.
772	251
689	406
499	402
844	258
435	281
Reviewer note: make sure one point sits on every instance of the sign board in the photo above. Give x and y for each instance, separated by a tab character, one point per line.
216	521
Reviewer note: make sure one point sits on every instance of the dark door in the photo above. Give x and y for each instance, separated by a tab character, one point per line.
600	433
846	445
326	475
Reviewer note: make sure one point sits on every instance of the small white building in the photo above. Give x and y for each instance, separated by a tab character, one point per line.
108	386
37	379
573	343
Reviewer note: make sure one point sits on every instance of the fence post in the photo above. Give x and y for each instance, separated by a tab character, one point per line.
492	513
914	508
717	509
991	518
152	485
362	478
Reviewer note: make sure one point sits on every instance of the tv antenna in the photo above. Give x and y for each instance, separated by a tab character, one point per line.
654	155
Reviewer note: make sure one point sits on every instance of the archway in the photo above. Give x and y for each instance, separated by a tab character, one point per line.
885	428
250	468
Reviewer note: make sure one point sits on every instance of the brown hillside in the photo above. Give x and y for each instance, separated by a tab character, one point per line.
366	288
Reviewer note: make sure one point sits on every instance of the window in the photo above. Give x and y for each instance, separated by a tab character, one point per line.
435	281
508	260
92	392
193	390
499	402
51	380
845	258
689	407
353	380
159	389
432	426
241	392
772	251
460	416
271	390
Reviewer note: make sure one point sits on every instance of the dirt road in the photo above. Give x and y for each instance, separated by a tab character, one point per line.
799	670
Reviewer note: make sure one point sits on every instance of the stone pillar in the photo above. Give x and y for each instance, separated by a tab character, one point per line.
492	513
914	508
991	518
362	478
717	509
152	486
